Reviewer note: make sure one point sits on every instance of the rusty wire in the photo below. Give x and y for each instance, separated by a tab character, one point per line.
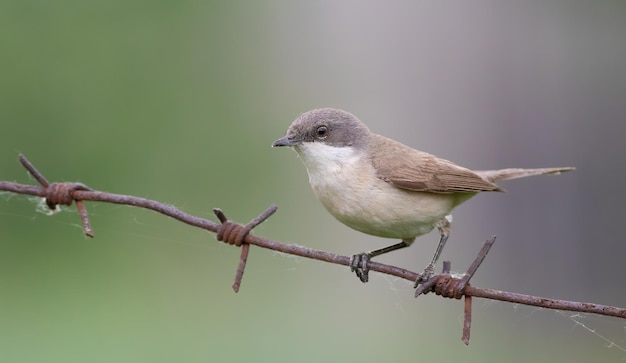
444	284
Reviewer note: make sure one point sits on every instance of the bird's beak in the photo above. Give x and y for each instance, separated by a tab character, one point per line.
287	141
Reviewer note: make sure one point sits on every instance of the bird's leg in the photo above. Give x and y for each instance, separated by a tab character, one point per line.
359	263
444	227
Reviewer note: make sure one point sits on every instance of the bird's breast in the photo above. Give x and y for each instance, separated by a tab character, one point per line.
345	182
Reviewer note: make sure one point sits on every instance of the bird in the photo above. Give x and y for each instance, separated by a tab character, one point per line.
384	188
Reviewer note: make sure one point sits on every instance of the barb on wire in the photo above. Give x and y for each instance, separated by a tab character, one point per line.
453	287
60	193
444	284
234	234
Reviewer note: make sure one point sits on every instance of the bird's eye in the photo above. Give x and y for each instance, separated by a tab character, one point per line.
321	132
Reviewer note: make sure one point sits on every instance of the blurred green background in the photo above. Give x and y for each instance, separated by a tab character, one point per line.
180	101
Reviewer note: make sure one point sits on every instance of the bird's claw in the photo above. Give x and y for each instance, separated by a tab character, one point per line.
359	264
429	271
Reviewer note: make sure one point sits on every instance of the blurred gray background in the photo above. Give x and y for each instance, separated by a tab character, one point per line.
180	101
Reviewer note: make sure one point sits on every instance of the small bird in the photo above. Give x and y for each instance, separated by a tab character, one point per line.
381	187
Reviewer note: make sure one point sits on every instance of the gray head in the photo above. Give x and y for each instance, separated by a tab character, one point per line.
325	125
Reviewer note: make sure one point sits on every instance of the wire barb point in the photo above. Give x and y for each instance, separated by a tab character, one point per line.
235	234
60	193
448	286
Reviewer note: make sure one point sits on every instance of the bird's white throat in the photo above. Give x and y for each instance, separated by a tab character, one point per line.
324	160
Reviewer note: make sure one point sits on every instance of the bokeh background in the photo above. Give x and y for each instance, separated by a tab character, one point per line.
180	101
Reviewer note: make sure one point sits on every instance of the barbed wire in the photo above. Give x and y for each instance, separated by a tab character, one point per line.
444	284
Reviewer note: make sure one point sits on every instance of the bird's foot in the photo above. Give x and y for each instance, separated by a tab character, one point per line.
429	271
359	264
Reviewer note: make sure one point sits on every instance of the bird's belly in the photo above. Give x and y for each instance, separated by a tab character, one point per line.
379	208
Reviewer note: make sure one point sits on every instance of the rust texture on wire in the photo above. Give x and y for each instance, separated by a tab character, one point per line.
444	284
234	234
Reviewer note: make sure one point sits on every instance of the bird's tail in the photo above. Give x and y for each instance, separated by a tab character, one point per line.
506	174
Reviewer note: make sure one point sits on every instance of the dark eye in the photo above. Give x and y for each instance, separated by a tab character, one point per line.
321	132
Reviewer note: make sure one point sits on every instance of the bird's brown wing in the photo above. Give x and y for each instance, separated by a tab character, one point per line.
407	168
